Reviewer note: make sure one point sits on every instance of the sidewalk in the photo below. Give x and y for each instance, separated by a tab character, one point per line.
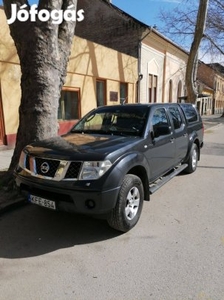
212	120
5	157
8	200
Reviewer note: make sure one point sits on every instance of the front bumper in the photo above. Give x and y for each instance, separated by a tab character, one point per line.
84	200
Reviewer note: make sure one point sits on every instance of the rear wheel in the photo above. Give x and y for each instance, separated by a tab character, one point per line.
128	209
192	160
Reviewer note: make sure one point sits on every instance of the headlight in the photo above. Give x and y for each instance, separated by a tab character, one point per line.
94	169
22	160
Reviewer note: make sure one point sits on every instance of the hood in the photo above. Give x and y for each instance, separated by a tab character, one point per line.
82	147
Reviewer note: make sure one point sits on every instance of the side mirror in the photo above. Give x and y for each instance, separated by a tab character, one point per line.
160	129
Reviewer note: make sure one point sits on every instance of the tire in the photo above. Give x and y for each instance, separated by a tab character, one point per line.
129	204
192	160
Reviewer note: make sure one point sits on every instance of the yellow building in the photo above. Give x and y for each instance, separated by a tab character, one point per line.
211	86
96	75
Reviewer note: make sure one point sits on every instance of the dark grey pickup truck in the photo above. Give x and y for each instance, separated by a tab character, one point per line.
112	160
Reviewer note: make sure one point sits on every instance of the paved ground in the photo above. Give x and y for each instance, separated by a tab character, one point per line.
213	120
6	155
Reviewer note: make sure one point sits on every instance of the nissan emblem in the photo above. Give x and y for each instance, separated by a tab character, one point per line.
44	167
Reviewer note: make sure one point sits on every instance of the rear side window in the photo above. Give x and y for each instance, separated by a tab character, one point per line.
190	113
176	117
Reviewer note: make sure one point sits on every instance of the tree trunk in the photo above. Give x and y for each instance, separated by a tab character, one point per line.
222	116
43	49
192	59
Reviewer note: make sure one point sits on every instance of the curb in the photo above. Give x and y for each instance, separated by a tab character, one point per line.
213	127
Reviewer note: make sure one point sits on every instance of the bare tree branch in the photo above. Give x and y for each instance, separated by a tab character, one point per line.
180	23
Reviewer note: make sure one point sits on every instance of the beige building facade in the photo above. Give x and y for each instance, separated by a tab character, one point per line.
219	93
162	69
210	79
96	75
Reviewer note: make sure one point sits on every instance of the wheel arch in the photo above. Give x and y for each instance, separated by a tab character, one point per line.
197	142
193	140
140	171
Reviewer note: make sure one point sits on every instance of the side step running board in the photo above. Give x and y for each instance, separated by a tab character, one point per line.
153	187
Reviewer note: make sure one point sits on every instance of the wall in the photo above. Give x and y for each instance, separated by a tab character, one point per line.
9	80
165	60
152	62
88	61
215	81
219	93
206	75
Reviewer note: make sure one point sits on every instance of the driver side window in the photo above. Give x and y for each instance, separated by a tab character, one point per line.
160	123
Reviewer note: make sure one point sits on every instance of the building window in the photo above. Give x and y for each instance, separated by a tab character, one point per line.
123	92
179	90
101	92
69	105
153	84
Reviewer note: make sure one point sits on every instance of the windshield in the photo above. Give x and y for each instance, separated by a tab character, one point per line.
122	120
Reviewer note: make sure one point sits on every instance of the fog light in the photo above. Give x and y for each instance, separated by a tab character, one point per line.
90	204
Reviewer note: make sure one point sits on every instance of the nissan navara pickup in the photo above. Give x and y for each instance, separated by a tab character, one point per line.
112	160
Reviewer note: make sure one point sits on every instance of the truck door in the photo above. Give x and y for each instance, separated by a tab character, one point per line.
161	151
179	133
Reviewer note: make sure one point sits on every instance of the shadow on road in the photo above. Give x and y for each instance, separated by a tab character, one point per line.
32	231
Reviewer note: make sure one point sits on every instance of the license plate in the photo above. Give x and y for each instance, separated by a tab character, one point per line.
42	202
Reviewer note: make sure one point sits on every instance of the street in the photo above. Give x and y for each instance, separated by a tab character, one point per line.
176	251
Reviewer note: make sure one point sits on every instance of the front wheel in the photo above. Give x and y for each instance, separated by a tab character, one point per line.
192	160
129	204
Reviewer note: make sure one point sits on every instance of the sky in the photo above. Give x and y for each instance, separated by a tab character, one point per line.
147	11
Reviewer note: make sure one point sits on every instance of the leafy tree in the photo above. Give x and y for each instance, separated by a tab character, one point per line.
43	49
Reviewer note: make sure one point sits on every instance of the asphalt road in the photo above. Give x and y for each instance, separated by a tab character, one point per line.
176	251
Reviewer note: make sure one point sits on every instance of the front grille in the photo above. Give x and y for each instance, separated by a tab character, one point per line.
27	162
73	170
46	167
